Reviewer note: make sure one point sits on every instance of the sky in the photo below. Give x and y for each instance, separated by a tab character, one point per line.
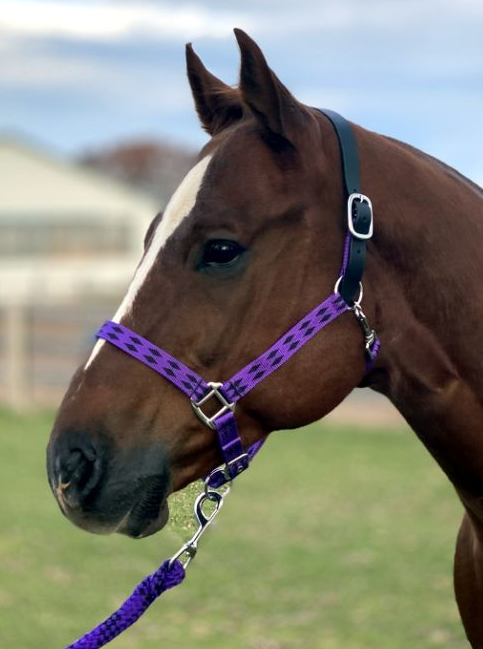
77	75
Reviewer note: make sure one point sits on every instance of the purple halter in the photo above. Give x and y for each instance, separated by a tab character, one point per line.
199	391
235	458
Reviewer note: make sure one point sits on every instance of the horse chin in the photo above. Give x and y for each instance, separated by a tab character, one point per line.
137	524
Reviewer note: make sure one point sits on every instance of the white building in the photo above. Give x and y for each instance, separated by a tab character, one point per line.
69	242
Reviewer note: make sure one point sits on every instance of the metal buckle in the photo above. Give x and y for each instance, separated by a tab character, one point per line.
350	222
214	392
234	462
223	473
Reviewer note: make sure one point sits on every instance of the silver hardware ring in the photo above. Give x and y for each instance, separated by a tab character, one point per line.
361	291
225	405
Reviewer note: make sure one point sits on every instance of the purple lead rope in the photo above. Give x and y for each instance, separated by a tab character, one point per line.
168	575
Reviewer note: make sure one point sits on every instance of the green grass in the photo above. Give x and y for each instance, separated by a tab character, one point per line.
334	539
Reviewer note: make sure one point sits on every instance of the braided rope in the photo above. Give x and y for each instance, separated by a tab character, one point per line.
169	574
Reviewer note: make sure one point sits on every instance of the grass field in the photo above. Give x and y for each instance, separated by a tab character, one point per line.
334	539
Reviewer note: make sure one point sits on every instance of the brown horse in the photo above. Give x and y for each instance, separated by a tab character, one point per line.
250	242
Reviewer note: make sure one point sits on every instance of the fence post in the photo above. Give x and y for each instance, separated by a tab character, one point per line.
16	355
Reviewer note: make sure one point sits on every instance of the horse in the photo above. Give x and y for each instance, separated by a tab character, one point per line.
249	242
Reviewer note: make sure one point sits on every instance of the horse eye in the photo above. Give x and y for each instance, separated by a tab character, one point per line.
221	252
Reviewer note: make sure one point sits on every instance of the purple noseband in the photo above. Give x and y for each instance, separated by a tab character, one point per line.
199	391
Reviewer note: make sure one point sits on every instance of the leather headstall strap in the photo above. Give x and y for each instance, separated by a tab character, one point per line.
360	206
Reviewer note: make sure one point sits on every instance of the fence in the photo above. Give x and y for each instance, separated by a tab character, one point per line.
42	344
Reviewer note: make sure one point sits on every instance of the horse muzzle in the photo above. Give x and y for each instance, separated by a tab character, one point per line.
104	490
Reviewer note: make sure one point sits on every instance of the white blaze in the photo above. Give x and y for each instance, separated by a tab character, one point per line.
178	208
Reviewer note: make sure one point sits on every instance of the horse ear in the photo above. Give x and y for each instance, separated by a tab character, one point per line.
217	104
271	102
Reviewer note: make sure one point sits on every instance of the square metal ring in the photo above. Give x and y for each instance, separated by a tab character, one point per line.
225	405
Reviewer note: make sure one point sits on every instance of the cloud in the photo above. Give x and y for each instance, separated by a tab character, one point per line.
85	71
44	70
109	21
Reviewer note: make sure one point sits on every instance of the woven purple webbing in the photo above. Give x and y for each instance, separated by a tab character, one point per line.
285	347
345	255
235	458
230	443
157	359
376	346
142	597
248	377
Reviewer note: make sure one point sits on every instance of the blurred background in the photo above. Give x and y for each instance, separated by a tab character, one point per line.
97	128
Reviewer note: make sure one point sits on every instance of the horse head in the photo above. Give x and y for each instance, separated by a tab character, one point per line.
250	241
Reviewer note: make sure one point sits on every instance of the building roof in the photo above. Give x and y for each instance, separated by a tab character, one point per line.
35	183
40	193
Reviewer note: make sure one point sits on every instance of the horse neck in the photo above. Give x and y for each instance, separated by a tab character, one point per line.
425	292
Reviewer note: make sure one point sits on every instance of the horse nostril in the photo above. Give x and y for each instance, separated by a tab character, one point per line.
77	473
